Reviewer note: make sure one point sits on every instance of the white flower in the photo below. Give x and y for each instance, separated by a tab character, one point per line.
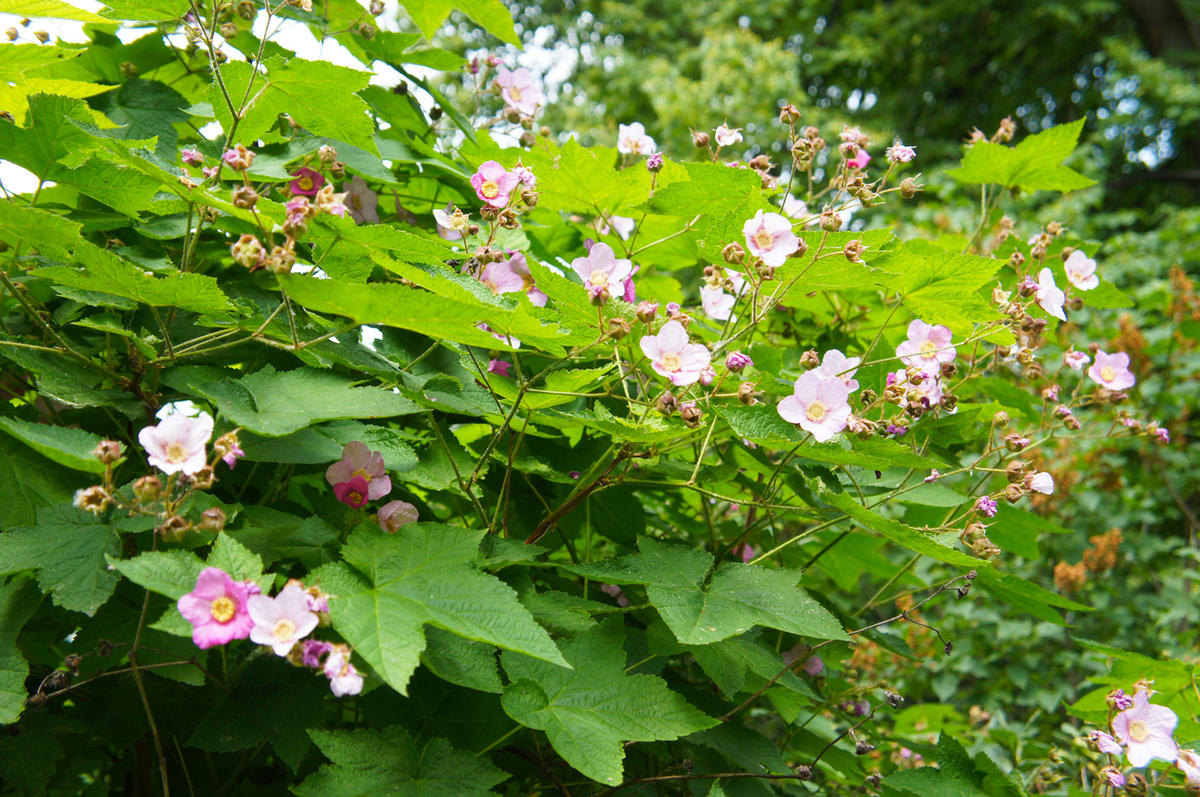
177	444
728	136
281	621
632	140
1049	297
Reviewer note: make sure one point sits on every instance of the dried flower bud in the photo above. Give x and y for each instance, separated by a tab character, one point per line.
1013	493
94	499
12	34
1015	470
801	249
327	154
107	451
690	413
212	519
617	328
700	139
204	478
248	252
830	221
810	360
647	311
42	36
804	772
147	489
853	250
245	197
848	149
376	7
909	188
281	260
174	528
745	394
789	114
667	404
733	253
863	747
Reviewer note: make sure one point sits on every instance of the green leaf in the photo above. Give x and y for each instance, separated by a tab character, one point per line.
585	180
913	539
55	9
942	287
53	235
19	598
324	443
425	573
66	446
1033	165
67	547
461	661
387	761
275	403
28	483
955	776
170	573
48	135
146	10
235	559
491	15
588	712
148	109
701	606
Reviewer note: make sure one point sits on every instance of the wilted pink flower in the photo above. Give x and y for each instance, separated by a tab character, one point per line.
177	444
933	476
613	591
632	140
191	157
312	651
451	224
1040	482
672	354
525	175
748	554
850	134
1162	435
499	277
499	367
519	91
1189	764
898	153
736	361
927	346
395	514
1118	700
1076	359
719	304
860	159
728	136
281	621
233	454
1110	371
307	183
343	678
1113	777
211	172
819	404
239	158
602	273
1081	271
986	505
359	461
361	202
836	364
327	201
1105	743
1146	731
770	236
1049	297
493	183
216	608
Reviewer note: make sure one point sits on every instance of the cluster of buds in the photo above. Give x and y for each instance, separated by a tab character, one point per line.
806	146
975	536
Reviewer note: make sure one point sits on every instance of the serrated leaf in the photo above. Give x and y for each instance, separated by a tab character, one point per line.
146	10
66	446
170	573
585	180
390	586
1033	165
491	15
19	598
54	235
702	606
324	443
588	712
67	547
461	661
943	287
388	762
234	558
48	135
901	534
55	9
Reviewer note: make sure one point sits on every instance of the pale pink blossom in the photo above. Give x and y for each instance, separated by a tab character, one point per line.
819	404
281	621
1146	731
632	140
344	679
452	224
601	271
927	346
1081	271
672	355
850	135
178	443
216	608
623	226
770	237
794	208
1110	371
519	91
361	202
836	364
358	460
927	390
1105	743
899	153
499	277
1041	482
727	136
1049	297
395	514
1189	764
719	304
525	175
518	265
860	159
1076	359
494	184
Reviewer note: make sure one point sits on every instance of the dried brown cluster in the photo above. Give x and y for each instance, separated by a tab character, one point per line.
1100	558
1069	577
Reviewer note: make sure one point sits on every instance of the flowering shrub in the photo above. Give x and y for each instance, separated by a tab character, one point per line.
664	439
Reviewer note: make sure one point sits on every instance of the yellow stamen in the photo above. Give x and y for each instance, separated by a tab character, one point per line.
284	629
763	239
1138	731
223	609
176	453
489	190
816	412
929	350
1108	373
671	362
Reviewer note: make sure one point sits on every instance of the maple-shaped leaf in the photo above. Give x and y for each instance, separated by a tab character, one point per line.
1033	165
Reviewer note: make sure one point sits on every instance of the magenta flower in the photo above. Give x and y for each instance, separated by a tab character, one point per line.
1113	777
727	136
898	153
499	367
525	175
1049	297
1105	743
499	277
602	273
281	621
819	404
632	140
231	456
1081	271
352	493
395	514
312	651
307	183
986	505
860	159
1146	731
216	608
177	444
838	365
493	184
748	553
361	202
191	157
674	356
927	347
736	361
361	462
770	237
1076	359
1109	371
343	678
519	91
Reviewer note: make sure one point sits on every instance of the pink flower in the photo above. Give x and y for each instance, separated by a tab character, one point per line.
519	91
361	202
359	461
499	367
1040	482
836	364
312	651
898	153
719	304
728	136
1081	271
1105	743
748	554
1113	776
1189	764
451	224
216	608
191	157
307	183
623	226
672	355
518	266
281	621
770	236
500	278
1146	730
493	184
928	390
395	514
632	140
813	665
1109	371
986	505
1049	297
352	493
860	159
927	347
178	443
736	361
211	172
1076	359
525	175
850	134
819	404
231	456
601	271
343	678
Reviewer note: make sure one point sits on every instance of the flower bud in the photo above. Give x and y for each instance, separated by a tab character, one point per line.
367	31
248	252
327	154
853	250
733	253
789	114
984	548
42	36
736	361
830	221
863	747
107	451
700	139
667	403
1015	470
801	249
245	9
745	394
647	311
146	489
1015	442
690	413
804	772
1013	493
654	163
281	260
212	519
617	328
376	7
909	188
848	149
174	528
810	360
245	197
94	499
239	158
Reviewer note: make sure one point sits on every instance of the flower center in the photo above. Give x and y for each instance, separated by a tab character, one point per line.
1138	731
177	453
360	472
284	629
515	93
306	183
490	190
355	498
929	350
763	239
223	609
1107	373
599	279
816	412
671	362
